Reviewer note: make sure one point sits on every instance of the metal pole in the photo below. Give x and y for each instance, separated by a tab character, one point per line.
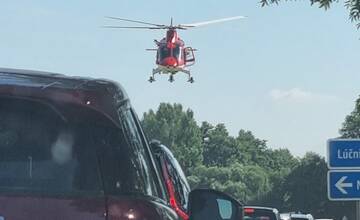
357	210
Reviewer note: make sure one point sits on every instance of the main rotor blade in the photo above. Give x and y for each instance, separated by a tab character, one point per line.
135	21
122	27
198	24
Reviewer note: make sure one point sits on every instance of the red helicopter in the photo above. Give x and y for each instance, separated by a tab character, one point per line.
172	54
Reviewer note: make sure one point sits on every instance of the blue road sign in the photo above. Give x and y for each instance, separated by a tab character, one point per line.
344	185
344	154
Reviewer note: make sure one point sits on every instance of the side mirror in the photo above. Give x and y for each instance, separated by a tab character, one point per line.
208	204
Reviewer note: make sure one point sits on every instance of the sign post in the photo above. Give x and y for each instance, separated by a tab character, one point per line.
344	171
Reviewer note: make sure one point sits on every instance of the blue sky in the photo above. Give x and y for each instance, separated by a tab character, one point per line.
288	73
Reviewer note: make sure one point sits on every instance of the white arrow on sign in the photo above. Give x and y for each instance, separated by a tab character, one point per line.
341	185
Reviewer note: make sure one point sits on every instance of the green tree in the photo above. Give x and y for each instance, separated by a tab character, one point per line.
350	129
244	166
352	5
282	161
251	150
218	146
276	197
351	126
306	185
178	130
305	189
242	182
257	181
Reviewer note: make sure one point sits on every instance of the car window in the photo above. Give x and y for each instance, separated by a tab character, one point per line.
141	157
259	214
225	208
49	149
165	160
178	179
156	169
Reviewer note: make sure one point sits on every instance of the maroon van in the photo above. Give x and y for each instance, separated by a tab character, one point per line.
73	148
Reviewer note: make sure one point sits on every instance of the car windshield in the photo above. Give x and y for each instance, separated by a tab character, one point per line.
58	150
259	214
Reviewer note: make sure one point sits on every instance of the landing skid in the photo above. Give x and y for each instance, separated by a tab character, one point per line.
171	77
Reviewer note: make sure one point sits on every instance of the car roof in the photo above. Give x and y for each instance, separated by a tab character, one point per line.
263	208
105	95
55	79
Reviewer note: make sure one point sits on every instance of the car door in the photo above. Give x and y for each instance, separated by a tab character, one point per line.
60	161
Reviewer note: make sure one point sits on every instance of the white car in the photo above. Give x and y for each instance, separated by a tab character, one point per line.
285	216
296	216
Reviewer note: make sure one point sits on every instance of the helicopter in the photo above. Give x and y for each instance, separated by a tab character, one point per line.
172	56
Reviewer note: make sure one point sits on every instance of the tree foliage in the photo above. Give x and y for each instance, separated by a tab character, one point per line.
309	174
213	154
244	165
238	180
353	6
177	129
351	126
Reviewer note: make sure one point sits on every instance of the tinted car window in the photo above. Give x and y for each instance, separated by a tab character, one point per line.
259	214
145	172
49	149
164	157
179	181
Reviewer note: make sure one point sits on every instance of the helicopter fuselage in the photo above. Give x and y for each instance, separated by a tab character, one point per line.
172	55
171	51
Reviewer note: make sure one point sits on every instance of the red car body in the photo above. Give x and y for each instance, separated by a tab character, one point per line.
73	148
104	99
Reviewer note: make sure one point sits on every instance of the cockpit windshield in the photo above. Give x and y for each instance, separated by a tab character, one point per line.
165	52
177	52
